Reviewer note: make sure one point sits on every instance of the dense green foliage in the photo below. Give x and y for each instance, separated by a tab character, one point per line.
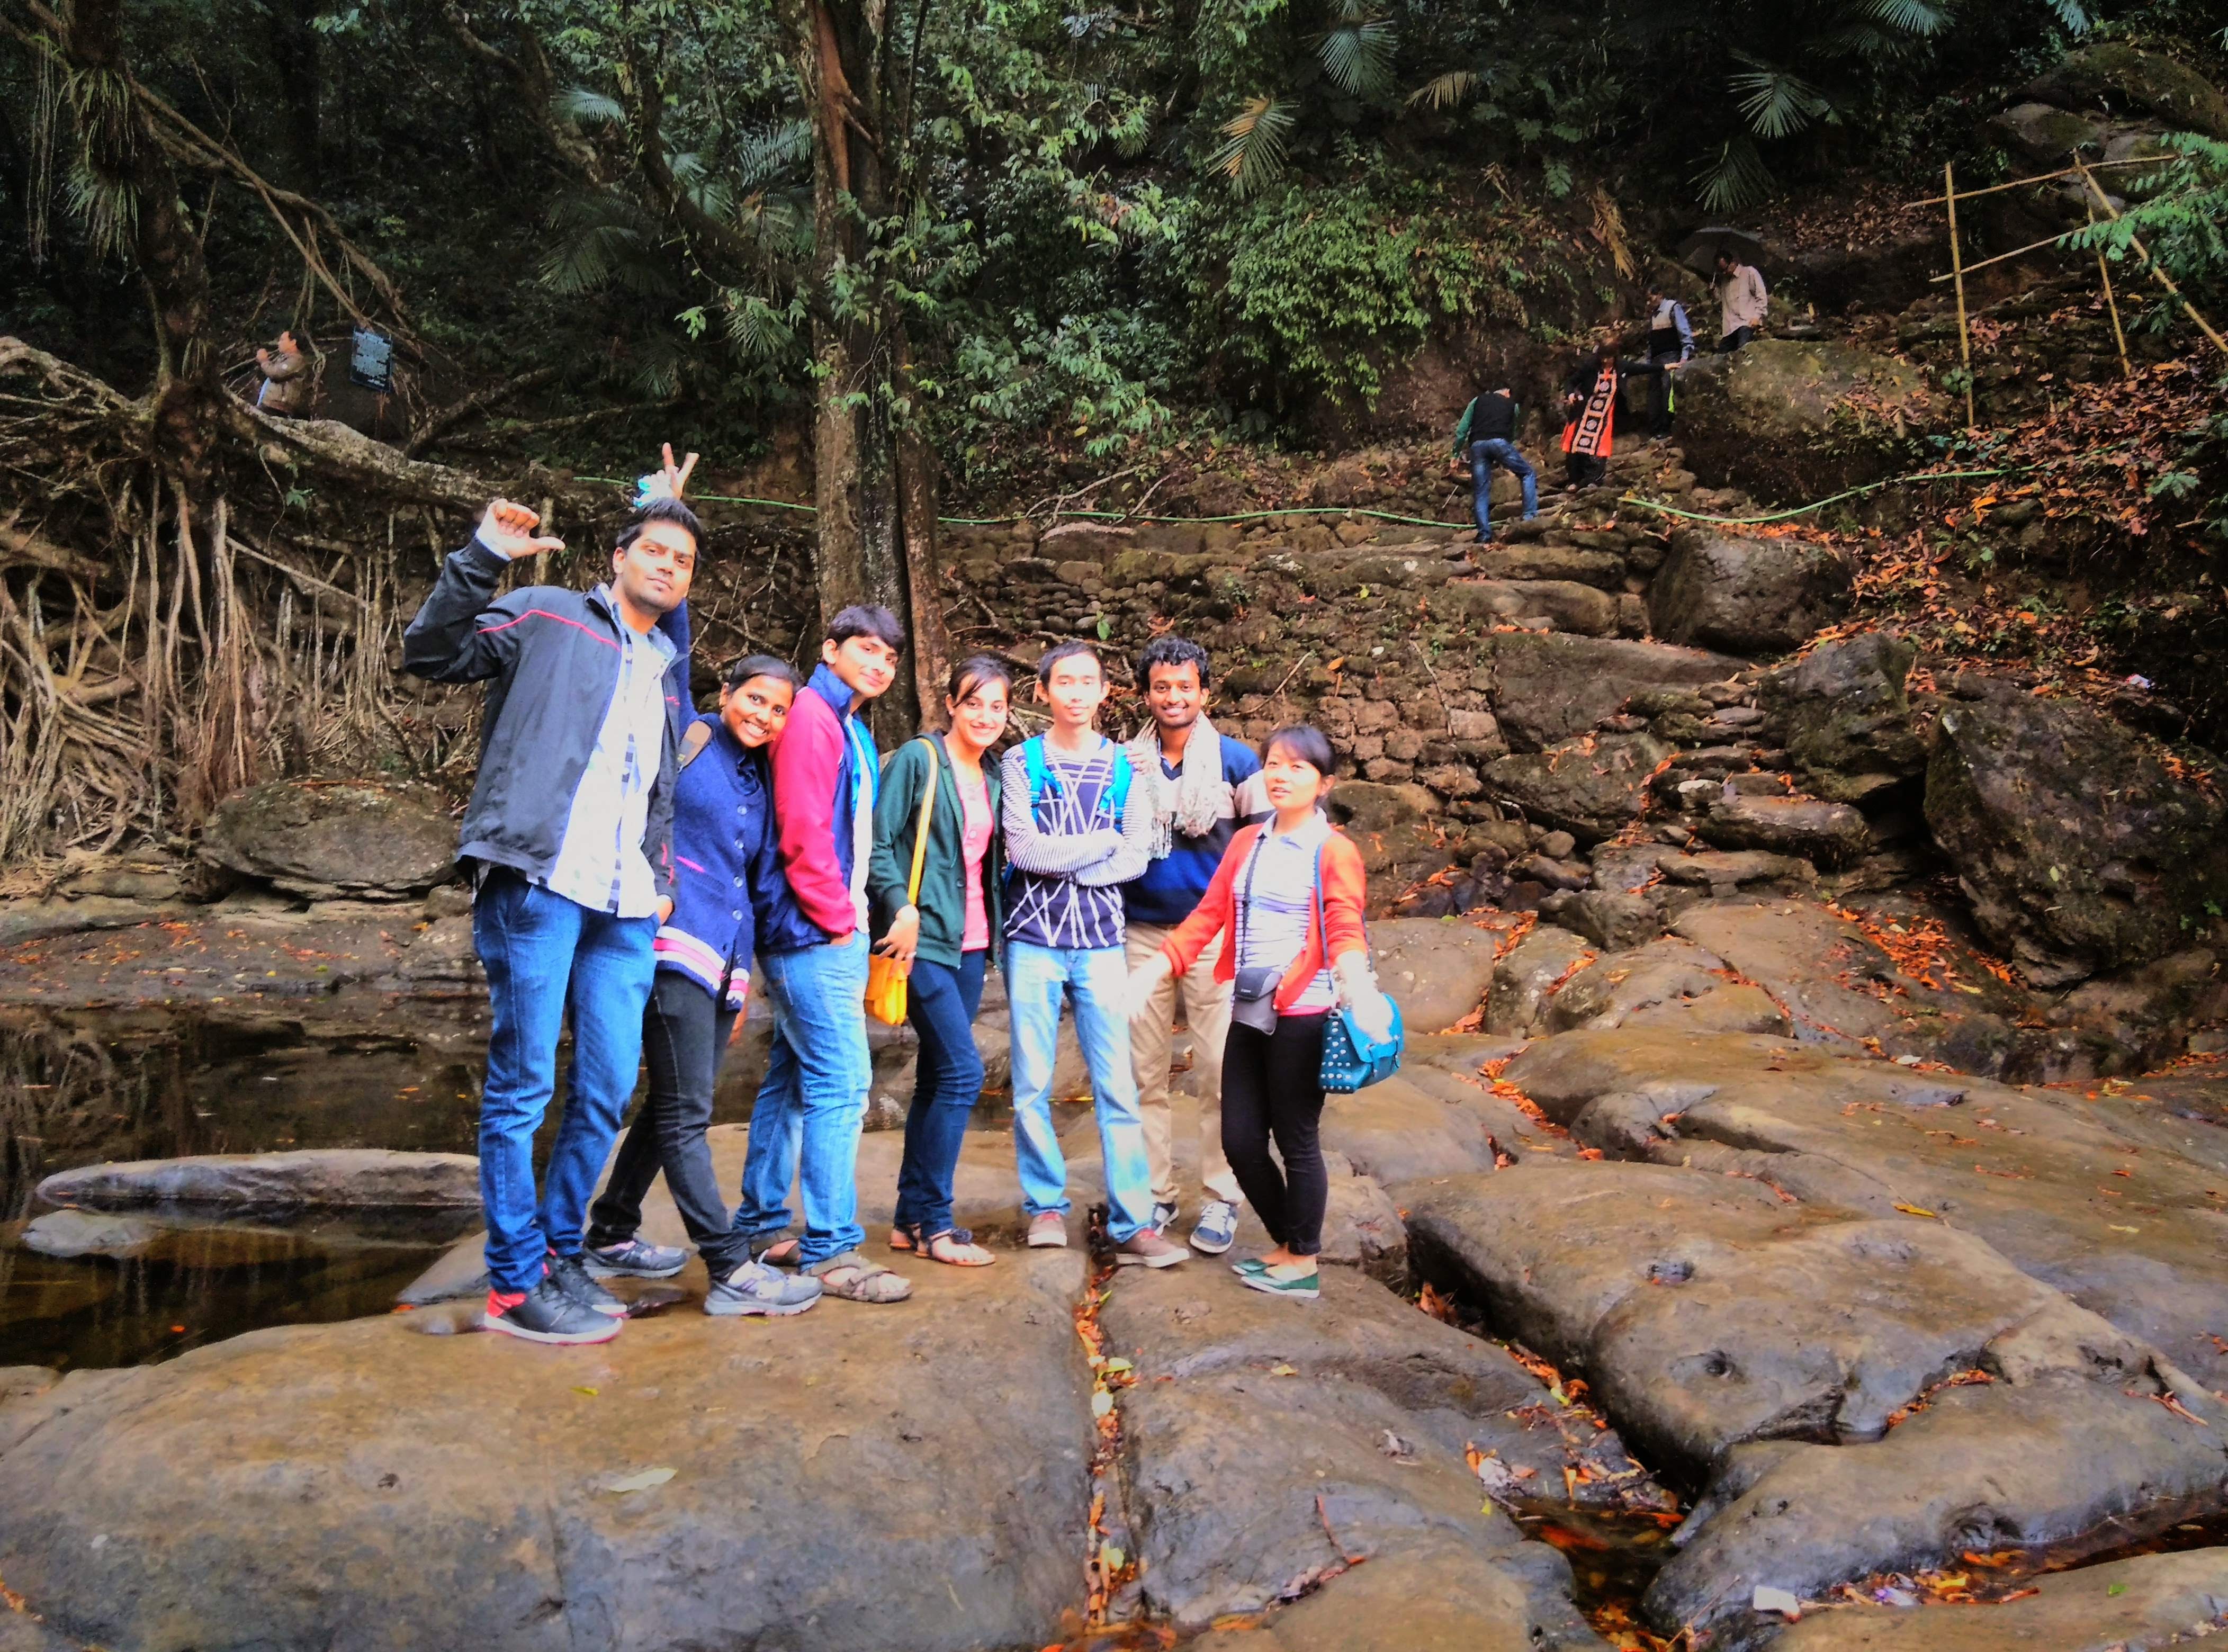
1103	222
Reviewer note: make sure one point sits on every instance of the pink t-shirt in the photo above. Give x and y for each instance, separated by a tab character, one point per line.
974	841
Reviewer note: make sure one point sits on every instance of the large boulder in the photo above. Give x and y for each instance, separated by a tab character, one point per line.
1843	715
2080	848
1398	830
1548	688
1826	834
1745	594
1436	969
1791	420
1591	787
322	838
2116	75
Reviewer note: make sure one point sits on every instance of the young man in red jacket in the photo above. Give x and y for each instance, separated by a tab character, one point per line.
812	958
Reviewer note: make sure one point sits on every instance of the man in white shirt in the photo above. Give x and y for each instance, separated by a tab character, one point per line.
1741	301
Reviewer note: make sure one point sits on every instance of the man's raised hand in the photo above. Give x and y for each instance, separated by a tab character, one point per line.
676	477
507	530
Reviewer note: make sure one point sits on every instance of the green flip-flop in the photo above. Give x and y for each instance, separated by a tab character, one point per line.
1306	1287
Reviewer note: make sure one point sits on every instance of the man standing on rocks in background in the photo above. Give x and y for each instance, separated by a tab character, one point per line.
1076	830
1741	302
570	835
812	956
1489	432
1202	784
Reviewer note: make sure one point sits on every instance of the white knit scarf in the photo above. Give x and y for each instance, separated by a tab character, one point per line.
1198	797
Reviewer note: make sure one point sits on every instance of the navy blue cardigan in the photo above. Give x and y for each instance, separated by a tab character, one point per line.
726	866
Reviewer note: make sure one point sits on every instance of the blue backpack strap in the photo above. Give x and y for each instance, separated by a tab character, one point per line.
1124	772
1040	773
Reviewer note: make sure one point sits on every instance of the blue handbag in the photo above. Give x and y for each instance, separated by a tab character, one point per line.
1351	1059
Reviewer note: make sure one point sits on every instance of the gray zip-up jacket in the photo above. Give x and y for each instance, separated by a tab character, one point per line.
550	657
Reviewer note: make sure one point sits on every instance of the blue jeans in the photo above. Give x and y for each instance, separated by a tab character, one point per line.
940	1002
1098	979
812	1101
545	957
1483	456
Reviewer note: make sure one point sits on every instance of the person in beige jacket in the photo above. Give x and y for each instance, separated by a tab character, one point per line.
285	387
1741	301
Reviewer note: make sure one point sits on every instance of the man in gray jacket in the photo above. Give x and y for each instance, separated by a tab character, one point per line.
570	835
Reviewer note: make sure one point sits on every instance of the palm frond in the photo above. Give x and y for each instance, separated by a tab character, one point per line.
1252	153
1777	104
1357	56
1734	179
585	107
764	155
1444	90
2075	15
1609	230
1908	16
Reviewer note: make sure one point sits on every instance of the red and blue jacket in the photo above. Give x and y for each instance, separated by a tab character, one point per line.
821	760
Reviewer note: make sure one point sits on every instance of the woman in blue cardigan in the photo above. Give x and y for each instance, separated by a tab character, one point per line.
725	863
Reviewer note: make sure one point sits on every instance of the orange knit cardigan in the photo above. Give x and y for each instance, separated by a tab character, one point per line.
1345	887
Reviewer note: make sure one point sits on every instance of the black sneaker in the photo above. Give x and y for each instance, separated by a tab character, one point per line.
545	1313
570	1275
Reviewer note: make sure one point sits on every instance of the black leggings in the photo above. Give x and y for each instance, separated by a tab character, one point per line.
684	1034
1273	1085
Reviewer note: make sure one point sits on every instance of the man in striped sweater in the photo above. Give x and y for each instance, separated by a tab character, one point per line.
1076	830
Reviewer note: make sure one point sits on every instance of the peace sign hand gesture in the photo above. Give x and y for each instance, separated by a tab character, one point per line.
507	530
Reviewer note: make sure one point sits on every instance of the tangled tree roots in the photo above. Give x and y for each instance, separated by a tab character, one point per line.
166	639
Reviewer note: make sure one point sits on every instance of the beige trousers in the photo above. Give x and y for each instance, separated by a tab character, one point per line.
1206	1003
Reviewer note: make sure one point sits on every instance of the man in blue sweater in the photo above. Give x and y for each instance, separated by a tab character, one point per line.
1203	785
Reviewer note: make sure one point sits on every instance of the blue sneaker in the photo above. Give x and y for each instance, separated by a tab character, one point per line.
1217	1227
634	1259
755	1288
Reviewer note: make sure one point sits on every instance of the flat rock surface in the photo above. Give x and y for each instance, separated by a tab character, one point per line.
2133	1234
1437	969
358	1485
324	837
2144	1605
1548	688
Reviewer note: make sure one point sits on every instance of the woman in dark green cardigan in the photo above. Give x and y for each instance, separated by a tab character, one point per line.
945	934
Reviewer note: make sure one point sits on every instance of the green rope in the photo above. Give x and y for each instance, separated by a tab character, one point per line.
1818	504
1090	515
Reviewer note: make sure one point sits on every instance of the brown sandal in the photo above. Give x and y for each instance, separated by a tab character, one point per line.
782	1253
957	1243
901	1239
851	1276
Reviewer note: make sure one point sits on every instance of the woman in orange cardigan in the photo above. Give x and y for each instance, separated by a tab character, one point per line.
1287	974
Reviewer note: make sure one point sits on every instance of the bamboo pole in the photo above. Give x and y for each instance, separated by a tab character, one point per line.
2105	274
2159	275
2040	177
2017	251
1957	272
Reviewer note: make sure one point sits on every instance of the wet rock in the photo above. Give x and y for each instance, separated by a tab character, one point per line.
37	920
443	955
470	1482
332	1178
1436	970
1526	979
1825	833
1791	420
1589	787
1549	688
1844	717
1254	1459
87	1232
335	837
2040	1180
1395	1131
2145	1604
2079	849
1750	596
2061	1465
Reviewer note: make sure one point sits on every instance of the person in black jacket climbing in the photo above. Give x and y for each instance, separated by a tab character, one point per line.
569	832
1489	431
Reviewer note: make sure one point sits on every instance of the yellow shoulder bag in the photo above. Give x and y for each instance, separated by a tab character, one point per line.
886	976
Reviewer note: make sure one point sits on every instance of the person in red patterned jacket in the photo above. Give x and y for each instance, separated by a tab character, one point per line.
812	959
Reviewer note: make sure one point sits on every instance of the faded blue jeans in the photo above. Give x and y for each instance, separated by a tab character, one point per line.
1483	456
545	957
812	1101
1097	978
940	1002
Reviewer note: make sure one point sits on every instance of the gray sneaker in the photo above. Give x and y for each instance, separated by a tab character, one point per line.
634	1259
1146	1249
1047	1231
755	1288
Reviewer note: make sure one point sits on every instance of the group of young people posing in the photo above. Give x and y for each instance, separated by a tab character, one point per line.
641	869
